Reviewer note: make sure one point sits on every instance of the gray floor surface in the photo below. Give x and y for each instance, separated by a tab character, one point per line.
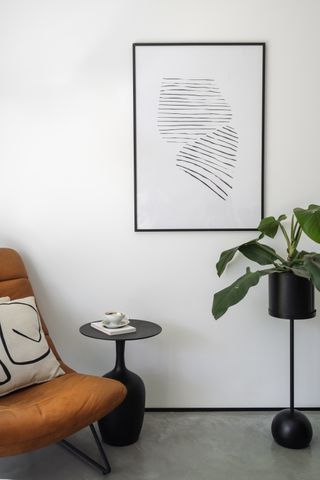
182	446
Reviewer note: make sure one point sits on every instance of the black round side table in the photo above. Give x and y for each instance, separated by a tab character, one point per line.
123	425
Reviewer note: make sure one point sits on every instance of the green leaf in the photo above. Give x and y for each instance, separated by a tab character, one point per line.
311	263
301	255
300	271
258	252
309	221
269	225
224	259
236	292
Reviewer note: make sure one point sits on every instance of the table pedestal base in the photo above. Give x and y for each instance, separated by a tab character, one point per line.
291	429
123	426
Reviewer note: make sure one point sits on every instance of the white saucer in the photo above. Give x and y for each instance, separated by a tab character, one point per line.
123	323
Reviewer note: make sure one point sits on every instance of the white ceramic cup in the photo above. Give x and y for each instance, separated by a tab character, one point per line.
113	319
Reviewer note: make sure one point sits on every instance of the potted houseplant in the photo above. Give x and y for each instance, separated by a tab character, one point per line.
297	264
291	296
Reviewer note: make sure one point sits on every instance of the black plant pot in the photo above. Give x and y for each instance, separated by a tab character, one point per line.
290	296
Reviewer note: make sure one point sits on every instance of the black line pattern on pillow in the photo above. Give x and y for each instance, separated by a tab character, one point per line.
7	373
39	328
17	332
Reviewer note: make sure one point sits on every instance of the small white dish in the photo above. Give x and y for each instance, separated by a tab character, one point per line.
123	323
118	323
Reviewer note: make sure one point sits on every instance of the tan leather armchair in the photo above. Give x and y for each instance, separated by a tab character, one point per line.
46	413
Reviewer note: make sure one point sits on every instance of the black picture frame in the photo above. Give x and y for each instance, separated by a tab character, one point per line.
143	201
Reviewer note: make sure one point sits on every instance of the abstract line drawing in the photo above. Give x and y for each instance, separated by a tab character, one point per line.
198	136
189	108
194	112
212	160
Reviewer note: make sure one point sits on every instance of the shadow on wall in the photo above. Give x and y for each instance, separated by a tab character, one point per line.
58	314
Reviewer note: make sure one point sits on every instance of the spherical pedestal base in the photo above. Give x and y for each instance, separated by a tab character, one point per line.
291	429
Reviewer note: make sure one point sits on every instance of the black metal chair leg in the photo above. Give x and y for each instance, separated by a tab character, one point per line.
104	469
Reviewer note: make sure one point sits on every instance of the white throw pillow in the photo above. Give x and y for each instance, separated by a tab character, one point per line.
25	356
4	299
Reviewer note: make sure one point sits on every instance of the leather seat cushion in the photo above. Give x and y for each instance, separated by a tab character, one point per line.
46	413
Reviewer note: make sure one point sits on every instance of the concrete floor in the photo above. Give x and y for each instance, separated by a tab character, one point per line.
182	446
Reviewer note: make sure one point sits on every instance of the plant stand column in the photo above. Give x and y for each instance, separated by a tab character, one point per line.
290	427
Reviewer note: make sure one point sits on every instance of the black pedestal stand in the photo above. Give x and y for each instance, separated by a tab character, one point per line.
292	298
123	425
290	427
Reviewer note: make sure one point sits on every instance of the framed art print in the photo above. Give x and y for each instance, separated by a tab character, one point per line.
198	136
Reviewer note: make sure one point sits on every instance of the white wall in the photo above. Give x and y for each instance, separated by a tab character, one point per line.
66	195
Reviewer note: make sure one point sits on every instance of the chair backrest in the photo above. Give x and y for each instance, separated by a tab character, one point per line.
14	283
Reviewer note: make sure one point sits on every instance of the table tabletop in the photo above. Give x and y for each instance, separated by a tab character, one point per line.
144	329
